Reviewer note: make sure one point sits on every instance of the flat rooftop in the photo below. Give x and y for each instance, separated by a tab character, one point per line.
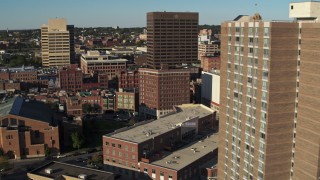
137	133
62	169
189	154
105	61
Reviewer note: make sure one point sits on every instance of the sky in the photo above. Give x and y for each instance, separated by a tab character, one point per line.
31	14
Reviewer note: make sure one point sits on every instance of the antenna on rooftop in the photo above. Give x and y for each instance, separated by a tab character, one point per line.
256	7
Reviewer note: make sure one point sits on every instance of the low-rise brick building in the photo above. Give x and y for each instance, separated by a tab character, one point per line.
148	145
9	85
128	79
28	128
209	63
70	78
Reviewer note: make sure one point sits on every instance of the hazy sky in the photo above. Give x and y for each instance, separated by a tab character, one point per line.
29	14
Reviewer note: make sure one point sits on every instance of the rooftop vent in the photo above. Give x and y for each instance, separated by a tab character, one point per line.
48	171
176	157
149	133
82	176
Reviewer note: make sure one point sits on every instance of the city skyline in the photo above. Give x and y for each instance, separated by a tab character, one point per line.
112	14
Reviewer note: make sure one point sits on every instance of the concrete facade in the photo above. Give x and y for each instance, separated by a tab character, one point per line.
55	43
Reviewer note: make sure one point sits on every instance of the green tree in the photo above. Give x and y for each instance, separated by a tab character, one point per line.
132	121
97	159
87	108
77	140
96	108
47	151
4	163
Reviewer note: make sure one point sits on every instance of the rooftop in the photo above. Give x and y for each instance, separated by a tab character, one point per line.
188	154
27	108
61	169
141	132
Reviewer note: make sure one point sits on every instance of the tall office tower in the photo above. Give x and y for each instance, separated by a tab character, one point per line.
70	28
55	43
306	160
258	98
172	38
160	90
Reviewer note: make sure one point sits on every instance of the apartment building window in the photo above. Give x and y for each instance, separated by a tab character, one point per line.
113	145
265	53
119	146
257	31
266	31
237	30
107	151
262	146
250	51
250	31
133	157
264	85
256	50
113	152
241	30
265	42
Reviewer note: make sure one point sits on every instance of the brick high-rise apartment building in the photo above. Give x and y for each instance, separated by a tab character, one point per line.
307	135
172	38
267	69
258	94
57	43
160	90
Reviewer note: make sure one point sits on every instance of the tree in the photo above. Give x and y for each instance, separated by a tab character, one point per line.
96	159
47	151
87	108
4	163
132	121
96	108
77	140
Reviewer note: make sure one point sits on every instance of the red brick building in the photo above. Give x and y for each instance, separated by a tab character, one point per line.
8	85
74	106
28	128
160	90
209	63
70	78
24	76
144	147
4	75
128	79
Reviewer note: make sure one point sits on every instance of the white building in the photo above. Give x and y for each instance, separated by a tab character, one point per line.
210	90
